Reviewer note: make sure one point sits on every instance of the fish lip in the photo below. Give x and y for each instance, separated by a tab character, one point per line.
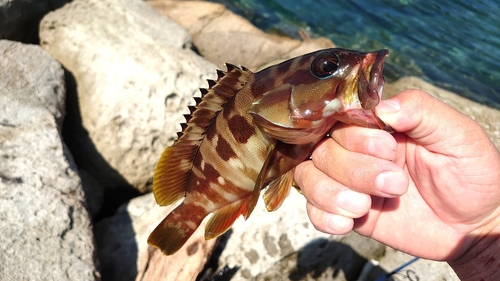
370	91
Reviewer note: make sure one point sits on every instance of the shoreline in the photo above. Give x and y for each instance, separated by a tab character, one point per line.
89	111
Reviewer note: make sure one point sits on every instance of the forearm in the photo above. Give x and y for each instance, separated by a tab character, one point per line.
481	261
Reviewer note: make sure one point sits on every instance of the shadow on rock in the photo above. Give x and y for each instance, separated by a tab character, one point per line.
117	243
322	259
102	201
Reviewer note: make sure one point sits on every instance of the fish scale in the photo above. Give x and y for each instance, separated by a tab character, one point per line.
248	131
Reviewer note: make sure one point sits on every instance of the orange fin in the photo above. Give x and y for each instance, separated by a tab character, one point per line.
224	218
171	175
278	190
174	166
296	186
173	232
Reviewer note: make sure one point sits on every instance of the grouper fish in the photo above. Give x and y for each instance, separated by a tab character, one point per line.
249	130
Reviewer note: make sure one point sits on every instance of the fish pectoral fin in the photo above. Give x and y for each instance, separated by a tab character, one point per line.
224	218
278	190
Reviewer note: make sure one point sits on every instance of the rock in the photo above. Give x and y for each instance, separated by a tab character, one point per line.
421	269
19	19
284	245
135	77
46	232
125	254
222	36
485	116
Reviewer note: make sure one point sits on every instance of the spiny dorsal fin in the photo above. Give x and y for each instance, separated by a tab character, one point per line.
174	167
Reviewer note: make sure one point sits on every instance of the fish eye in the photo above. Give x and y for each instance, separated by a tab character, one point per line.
324	65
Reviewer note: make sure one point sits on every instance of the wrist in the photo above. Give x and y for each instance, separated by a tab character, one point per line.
482	260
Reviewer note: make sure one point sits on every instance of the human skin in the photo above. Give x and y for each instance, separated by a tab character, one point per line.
431	189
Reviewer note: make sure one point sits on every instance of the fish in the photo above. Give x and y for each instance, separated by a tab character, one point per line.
249	131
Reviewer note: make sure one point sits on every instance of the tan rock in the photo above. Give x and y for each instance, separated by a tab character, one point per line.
222	36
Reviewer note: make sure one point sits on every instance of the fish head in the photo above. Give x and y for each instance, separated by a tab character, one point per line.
314	91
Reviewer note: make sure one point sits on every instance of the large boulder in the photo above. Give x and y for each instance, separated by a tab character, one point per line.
222	36
46	232
135	76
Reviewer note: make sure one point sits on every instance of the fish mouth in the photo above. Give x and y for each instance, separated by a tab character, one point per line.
371	81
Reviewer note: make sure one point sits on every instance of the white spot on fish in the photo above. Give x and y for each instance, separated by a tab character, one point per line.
221	180
191	224
332	107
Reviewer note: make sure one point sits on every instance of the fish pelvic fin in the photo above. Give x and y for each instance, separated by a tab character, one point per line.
175	164
278	190
173	232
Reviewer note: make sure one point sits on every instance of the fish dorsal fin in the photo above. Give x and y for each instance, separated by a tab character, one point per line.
175	164
278	190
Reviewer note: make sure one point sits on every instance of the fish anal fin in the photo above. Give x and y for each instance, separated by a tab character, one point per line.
224	218
173	232
278	190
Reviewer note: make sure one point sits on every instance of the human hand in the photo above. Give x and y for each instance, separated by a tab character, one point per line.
432	189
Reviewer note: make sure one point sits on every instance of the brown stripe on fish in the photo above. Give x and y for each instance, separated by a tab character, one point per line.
240	128
224	149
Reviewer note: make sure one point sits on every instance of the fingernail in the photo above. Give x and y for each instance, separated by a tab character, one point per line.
391	183
336	223
351	201
389	106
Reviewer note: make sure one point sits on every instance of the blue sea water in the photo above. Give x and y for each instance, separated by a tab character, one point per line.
452	44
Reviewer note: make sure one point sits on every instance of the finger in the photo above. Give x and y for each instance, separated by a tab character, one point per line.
329	223
372	142
420	116
360	172
329	195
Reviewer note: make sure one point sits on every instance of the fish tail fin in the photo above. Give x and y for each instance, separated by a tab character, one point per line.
173	232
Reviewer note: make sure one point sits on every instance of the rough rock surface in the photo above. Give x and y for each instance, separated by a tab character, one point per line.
19	19
222	36
485	116
135	78
46	231
284	245
125	254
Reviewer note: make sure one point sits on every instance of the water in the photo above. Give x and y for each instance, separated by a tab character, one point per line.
452	44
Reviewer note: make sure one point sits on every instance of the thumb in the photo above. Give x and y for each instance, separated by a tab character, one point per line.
427	120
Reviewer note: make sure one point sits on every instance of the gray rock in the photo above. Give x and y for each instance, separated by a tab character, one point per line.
19	19
135	77
284	245
46	232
